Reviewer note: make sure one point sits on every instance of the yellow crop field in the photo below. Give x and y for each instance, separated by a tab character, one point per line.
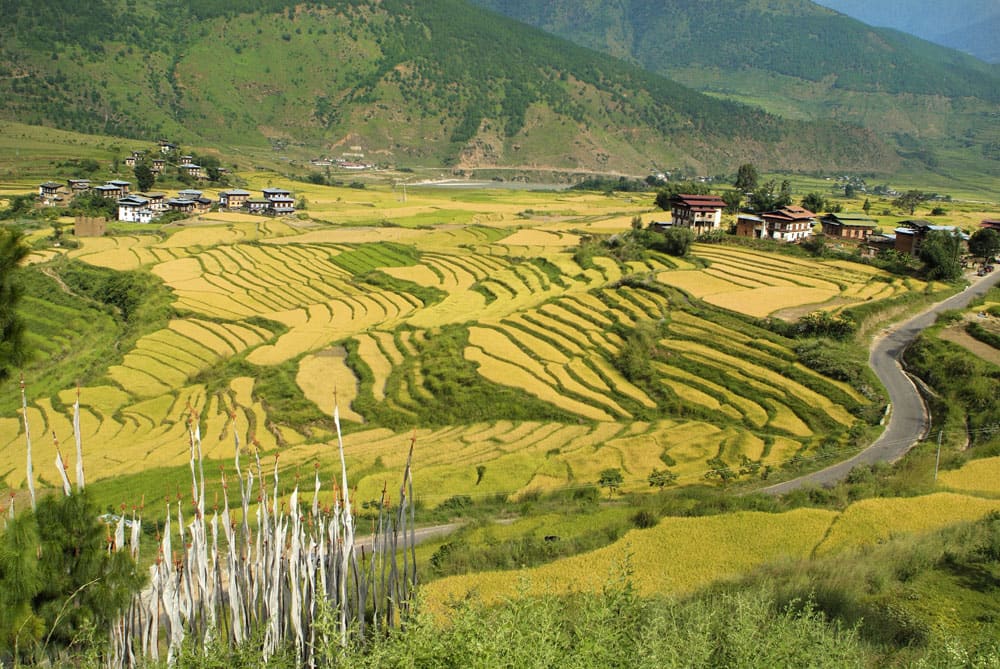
676	557
976	476
324	373
785	419
508	374
541	238
696	282
761	302
870	521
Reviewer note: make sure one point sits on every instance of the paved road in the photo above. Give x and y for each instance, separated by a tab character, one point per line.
908	420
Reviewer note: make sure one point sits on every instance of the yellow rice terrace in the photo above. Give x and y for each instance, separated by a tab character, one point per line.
472	319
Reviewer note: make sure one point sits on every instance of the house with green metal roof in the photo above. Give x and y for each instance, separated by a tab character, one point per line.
856	226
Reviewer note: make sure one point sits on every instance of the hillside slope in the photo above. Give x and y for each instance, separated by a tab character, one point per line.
405	80
799	60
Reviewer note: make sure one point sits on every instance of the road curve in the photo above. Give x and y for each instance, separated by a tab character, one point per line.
908	420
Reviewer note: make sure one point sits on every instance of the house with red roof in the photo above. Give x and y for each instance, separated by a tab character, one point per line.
700	213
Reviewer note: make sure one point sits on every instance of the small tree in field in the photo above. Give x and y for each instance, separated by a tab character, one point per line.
611	479
661	478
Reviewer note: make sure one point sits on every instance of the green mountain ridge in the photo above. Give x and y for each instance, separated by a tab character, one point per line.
800	61
408	81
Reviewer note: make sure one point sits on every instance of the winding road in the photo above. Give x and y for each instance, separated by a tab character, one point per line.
908	419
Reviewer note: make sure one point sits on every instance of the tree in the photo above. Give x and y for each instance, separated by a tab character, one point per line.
661	478
814	202
57	579
676	241
144	177
733	200
770	196
849	191
746	178
664	194
13	252
867	206
940	252
909	200
984	243
611	479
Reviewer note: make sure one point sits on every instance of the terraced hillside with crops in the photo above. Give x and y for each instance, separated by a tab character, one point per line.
467	319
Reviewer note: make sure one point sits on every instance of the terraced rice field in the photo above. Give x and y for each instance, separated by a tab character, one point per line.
342	302
680	555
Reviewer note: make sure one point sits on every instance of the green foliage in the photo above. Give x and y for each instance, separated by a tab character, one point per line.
18	206
611	479
661	478
664	194
144	177
57	580
982	334
941	254
909	201
609	184
13	253
825	324
92	203
984	243
814	202
746	178
770	196
676	241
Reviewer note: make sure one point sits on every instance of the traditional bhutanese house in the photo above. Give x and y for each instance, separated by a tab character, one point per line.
188	194
282	205
660	226
991	223
157	165
910	235
875	244
750	225
271	193
701	213
847	226
180	204
257	205
789	224
124	185
234	198
167	147
202	204
134	209
132	160
191	170
78	185
110	191
157	201
50	193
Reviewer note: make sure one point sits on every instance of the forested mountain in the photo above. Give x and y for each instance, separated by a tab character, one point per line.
432	81
800	60
967	25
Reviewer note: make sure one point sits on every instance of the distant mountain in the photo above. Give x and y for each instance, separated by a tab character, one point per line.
802	61
971	26
409	81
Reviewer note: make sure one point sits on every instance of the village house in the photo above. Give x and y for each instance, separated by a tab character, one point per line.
701	213
167	147
991	223
134	209
157	165
189	194
109	191
192	170
910	235
258	205
789	224
78	185
124	185
848	226
235	198
156	201
181	205
50	193
134	159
